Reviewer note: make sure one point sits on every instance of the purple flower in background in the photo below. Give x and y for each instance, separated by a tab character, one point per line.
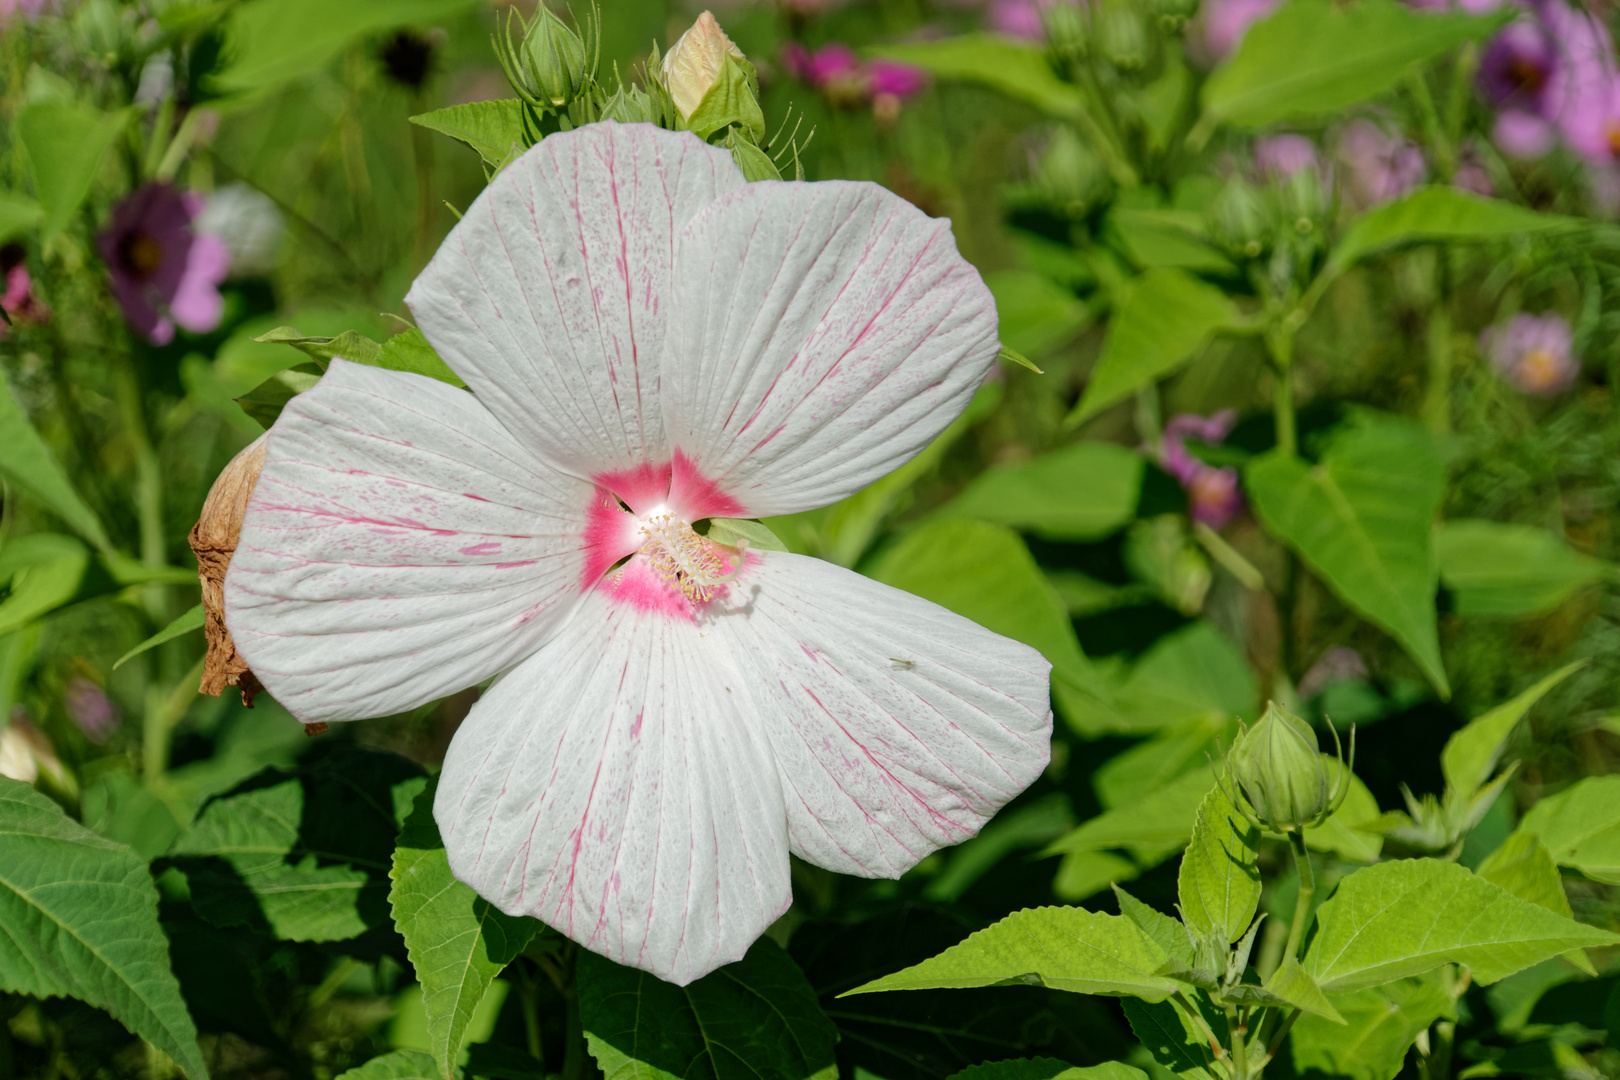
1517	67
164	272
1018	19
1553	75
1221	24
1280	157
90	709
1471	174
25	8
836	71
18	299
1212	492
1379	166
895	79
1533	352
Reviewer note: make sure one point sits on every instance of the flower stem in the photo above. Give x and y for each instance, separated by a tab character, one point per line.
1307	893
1437	391
1280	344
1238	1040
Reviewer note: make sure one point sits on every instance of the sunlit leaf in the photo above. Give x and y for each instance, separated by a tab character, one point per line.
1581	827
1064	948
46	571
1511	570
1014	68
1364	520
756	1019
28	463
1036	313
1049	1069
1470	756
409	351
1160	321
1158	823
490	127
18	214
1081	492
1290	985
81	920
1219	882
1313	58
1524	867
1380	1024
1440	213
1399	919
183	624
265	401
396	1065
66	144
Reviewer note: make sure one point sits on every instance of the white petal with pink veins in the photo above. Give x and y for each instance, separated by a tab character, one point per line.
898	727
617	786
552	295
400	545
824	333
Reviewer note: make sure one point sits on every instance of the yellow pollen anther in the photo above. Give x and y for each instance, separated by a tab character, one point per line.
694	565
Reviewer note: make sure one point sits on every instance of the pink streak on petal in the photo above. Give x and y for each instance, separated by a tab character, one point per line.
637	586
610	535
487	548
643	488
693	496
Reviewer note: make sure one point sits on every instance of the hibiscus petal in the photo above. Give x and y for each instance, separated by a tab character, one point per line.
616	786
898	727
551	296
400	546
824	333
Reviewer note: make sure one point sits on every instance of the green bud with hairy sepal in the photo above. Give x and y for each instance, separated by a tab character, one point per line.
630	105
1122	37
1239	218
553	59
1067	33
1284	779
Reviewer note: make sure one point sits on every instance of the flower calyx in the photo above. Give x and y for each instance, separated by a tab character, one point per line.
711	83
213	541
1284	783
549	64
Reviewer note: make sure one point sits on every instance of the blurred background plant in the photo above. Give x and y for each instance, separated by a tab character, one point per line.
1326	300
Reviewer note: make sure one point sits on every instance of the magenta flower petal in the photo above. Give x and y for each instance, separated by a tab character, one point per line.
892	77
163	271
1533	352
1523	135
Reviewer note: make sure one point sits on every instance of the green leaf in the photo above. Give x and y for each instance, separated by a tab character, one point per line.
1511	570
349	345
1524	867
27	462
1037	314
1219	883
1194	674
1342	834
184	624
265	401
1018	70
396	1065
492	128
1399	919
1364	521
1048	1069
409	351
66	144
47	571
731	99
304	854
1313	58
1173	1039
81	921
18	214
1380	1024
1439	213
1030	826
1290	985
1161	320
729	531
755	163
1062	948
756	1019
1158	823
1472	753
1581	827
1170	934
1010	355
1081	492
456	941
985	573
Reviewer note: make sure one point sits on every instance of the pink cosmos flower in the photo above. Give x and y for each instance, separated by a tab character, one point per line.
164	272
649	342
1220	27
1378	165
1018	19
1213	494
1533	352
18	299
837	72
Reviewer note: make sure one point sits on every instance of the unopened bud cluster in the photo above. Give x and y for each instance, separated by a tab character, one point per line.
1284	782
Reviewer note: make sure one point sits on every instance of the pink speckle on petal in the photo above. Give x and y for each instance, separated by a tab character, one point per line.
490	548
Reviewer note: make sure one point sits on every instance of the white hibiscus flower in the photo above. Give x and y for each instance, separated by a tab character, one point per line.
649	342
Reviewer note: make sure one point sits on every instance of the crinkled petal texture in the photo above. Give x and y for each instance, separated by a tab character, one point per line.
822	335
639	782
551	297
618	787
898	727
400	545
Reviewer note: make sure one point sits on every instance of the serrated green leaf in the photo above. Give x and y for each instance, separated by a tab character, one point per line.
1470	756
264	402
80	918
985	573
1048	1069
1290	985
350	345
1380	1025
396	1065
1364	521
1524	867
1581	827
1081	492
492	128
1219	882
1511	570
28	463
1342	833
457	942
302	854
18	214
184	624
1160	321
46	571
1195	673
1399	919
1036	314
1016	69
66	144
1439	213
1173	1039
756	1019
1170	934
731	99
409	351
1313	58
1063	948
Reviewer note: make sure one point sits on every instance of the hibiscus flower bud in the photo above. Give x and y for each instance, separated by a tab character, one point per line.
1283	775
553	59
694	63
213	541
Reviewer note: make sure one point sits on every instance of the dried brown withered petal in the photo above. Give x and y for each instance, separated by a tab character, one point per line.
213	541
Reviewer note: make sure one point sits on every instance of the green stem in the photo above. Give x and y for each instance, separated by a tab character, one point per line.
1238	1040
1436	1064
1307	893
1280	344
575	1058
1462	91
1445	157
1437	391
529	991
1282	1033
